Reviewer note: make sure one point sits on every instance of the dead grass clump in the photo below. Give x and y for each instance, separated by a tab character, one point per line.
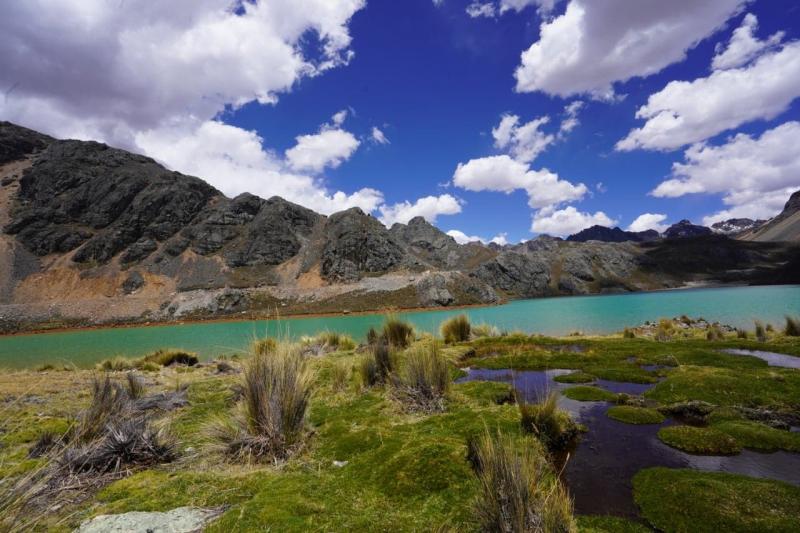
135	385
665	331
263	346
517	491
340	375
456	329
272	423
423	382
714	333
377	365
485	330
741	333
761	333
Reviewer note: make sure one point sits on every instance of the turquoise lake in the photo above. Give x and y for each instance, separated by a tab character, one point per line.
737	306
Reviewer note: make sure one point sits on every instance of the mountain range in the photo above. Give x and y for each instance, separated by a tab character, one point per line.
93	234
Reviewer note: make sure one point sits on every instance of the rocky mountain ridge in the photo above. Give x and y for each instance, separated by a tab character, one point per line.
93	234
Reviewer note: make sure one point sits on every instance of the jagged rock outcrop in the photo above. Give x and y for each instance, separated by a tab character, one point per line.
435	248
735	226
684	229
17	142
604	234
357	243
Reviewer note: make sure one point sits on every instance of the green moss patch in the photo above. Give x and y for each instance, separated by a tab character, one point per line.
760	437
678	500
575	377
699	440
634	415
587	393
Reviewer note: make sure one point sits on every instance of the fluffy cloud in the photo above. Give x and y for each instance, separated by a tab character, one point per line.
647	221
328	148
598	42
570	121
429	207
567	221
478	9
153	76
463	238
523	141
744	46
234	161
686	112
501	173
543	6
378	136
755	175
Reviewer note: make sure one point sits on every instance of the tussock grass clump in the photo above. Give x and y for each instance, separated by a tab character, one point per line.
45	443
340	375
109	402
377	365
761	333
171	357
628	334
553	427
135	385
397	333
714	333
792	328
328	341
272	423
741	333
264	346
423	382
116	364
517	491
456	329
665	331
485	330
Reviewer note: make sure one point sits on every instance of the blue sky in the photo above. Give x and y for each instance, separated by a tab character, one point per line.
436	81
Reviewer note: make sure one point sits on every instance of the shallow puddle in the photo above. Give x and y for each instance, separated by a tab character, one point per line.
599	470
772	358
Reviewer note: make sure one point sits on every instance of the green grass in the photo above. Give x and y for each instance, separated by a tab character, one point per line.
760	437
634	415
697	502
575	377
609	524
699	440
587	393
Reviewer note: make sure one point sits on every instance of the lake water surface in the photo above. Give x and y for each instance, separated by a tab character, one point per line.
737	306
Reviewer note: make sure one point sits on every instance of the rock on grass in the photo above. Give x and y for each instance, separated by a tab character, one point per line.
698	440
688	500
180	520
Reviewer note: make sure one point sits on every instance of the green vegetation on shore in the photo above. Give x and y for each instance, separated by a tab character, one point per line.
379	436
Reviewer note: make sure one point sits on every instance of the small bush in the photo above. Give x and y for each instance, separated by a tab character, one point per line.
276	395
792	327
135	385
397	333
516	492
424	380
171	357
628	334
263	346
456	329
761	333
715	333
553	427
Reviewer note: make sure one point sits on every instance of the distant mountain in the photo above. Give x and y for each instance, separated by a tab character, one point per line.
684	229
783	228
92	234
604	234
735	226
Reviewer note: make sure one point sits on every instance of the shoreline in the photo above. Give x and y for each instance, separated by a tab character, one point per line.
300	315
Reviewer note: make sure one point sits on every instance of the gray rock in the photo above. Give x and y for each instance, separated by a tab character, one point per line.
180	520
432	291
516	274
133	282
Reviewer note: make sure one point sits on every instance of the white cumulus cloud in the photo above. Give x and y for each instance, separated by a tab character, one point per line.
686	112
501	173
744	45
428	207
523	141
755	175
567	221
328	148
378	136
596	43
647	221
462	238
